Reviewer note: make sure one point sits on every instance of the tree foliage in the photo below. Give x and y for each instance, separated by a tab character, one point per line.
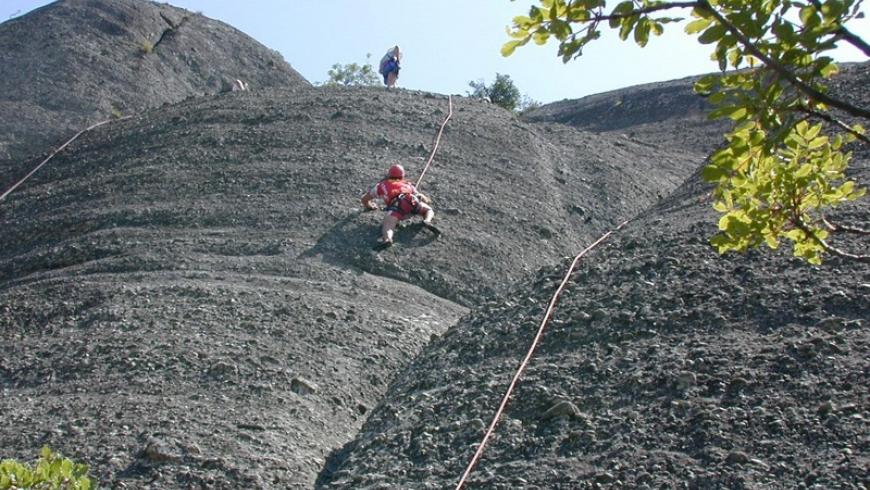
353	74
52	471
785	157
502	92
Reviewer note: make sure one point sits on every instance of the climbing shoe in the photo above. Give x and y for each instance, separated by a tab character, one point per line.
432	228
382	246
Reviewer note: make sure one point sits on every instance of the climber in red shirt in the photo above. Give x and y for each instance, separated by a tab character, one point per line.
401	200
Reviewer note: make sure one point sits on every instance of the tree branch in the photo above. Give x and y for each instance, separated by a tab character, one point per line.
836	122
648	10
854	40
782	70
598	18
846	34
849	229
828	248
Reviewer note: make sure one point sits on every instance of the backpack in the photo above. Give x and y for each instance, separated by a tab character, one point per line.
392	53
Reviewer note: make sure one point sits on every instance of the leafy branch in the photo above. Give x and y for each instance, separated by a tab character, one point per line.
781	69
843	33
831	249
836	122
779	170
51	471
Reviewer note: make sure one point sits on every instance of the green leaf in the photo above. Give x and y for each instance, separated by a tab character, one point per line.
560	29
713	173
720	55
712	34
522	22
771	241
735	57
729	111
641	32
795	235
809	17
722	243
785	32
744	127
618	12
817	142
738	114
833	9
626	27
829	70
804	171
578	13
705	84
697	26
623	8
509	47
541	36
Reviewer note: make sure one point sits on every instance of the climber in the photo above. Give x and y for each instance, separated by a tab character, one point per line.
402	201
389	66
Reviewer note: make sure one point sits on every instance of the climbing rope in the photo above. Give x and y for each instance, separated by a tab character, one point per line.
437	140
55	152
528	357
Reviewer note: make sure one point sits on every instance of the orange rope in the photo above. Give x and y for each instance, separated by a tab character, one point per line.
55	152
437	140
528	357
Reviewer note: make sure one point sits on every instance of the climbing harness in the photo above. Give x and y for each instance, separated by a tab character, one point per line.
547	314
404	204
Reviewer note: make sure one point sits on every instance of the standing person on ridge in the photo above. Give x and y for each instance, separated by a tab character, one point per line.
402	201
389	66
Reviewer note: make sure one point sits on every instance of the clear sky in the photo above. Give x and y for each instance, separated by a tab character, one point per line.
448	43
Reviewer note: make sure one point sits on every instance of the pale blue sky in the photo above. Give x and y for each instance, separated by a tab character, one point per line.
447	43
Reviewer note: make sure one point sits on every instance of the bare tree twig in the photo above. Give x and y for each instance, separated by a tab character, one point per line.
844	228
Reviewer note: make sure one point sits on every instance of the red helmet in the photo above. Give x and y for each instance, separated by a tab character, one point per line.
396	172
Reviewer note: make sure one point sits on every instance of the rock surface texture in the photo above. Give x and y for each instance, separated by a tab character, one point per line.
189	297
74	63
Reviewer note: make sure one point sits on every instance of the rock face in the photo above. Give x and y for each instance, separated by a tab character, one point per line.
76	62
628	107
653	112
189	298
664	365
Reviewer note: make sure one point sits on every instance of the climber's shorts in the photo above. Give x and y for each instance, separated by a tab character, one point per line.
406	205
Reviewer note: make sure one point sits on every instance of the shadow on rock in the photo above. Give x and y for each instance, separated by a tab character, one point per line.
332	467
353	238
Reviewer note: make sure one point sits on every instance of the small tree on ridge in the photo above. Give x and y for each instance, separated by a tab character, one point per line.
503	93
353	74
